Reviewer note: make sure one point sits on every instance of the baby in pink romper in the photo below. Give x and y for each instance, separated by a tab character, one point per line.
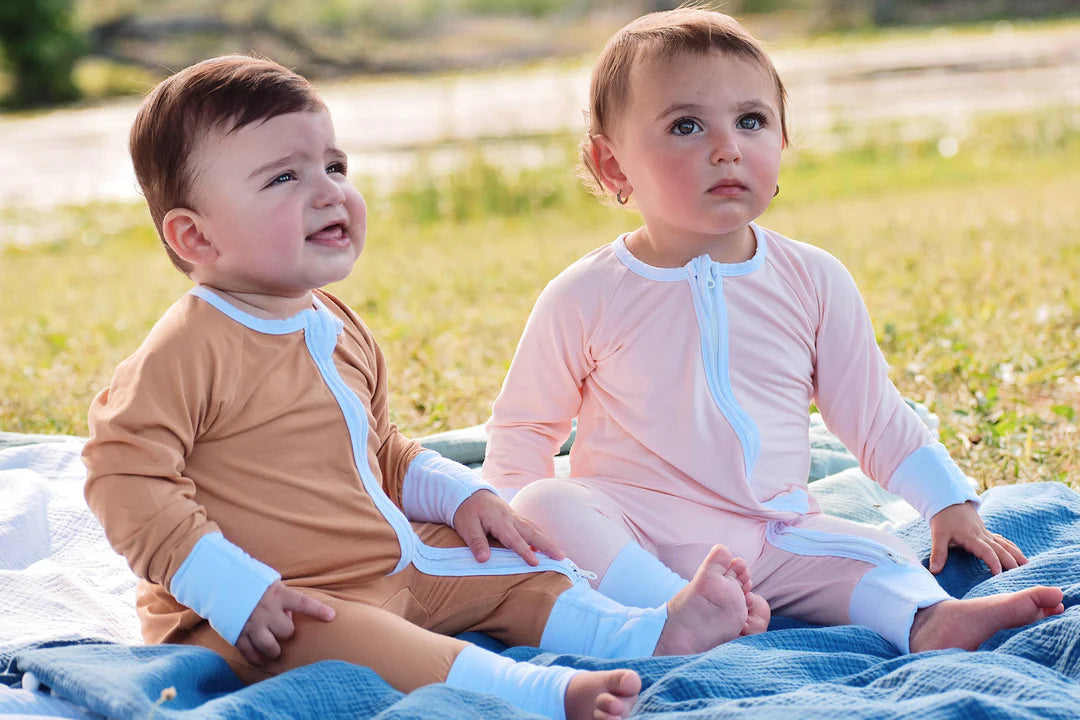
690	349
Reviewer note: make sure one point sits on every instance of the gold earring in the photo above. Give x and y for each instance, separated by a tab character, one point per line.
777	191
620	199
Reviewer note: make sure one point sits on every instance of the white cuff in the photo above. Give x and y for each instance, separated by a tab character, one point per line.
222	583
435	487
931	481
584	622
887	598
533	688
636	578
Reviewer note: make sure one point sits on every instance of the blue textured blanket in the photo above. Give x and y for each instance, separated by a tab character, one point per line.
798	672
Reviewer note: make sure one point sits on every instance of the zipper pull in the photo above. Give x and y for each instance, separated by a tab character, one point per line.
702	272
708	272
587	574
714	273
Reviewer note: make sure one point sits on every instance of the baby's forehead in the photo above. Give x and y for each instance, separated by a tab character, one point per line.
258	137
208	144
658	57
665	74
205	143
215	131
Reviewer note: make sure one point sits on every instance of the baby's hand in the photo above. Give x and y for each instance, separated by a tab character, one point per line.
960	526
484	513
271	622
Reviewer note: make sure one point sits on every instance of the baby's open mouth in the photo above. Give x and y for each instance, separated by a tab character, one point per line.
331	234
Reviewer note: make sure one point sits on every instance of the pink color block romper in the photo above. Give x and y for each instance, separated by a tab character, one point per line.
691	387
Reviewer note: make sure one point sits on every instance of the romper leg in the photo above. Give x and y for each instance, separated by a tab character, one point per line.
638	578
584	622
586	524
873	579
543	609
401	652
596	533
405	655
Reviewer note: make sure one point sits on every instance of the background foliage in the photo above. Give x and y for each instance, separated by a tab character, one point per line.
965	243
967	262
55	49
39	46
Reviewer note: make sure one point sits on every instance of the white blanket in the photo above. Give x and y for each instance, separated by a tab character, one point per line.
59	578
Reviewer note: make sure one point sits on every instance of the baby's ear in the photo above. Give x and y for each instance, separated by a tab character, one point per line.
607	165
182	230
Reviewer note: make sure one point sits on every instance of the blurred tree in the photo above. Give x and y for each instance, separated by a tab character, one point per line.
930	12
841	14
40	46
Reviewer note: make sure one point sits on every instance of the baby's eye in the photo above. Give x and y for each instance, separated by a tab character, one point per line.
685	126
336	167
752	121
283	178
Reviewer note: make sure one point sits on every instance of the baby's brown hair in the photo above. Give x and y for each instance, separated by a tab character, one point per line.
225	93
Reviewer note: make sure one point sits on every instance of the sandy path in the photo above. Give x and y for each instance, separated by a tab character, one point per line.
79	155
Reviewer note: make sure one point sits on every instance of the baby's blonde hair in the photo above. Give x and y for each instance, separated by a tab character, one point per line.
660	35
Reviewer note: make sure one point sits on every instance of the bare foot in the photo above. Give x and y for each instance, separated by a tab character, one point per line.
604	695
710	610
968	624
758	614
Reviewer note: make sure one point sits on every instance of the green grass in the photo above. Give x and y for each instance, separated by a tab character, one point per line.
967	264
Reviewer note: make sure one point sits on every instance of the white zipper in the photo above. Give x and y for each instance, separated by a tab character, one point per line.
709	304
427	559
801	541
459	561
584	574
321	326
356	422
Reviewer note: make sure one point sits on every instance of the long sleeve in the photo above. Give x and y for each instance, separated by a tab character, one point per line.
862	406
254	440
541	393
142	427
435	487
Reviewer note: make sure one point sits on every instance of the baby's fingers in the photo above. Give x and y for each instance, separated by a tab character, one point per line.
263	644
540	542
985	552
297	601
515	542
472	532
245	648
1004	552
1011	548
939	553
512	535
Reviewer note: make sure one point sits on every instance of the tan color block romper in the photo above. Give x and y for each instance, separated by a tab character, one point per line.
277	434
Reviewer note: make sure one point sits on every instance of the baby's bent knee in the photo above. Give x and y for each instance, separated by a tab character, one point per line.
547	499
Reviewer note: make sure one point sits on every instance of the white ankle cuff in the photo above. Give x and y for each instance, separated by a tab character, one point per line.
887	598
638	579
533	688
584	622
